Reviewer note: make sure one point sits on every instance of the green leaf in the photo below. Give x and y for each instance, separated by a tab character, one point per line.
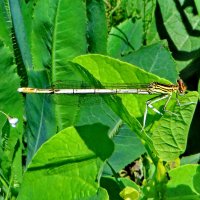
77	109
12	29
131	34
67	166
5	24
170	133
97	27
128	148
126	38
20	33
5	159
40	114
192	17
27	9
101	67
173	21
191	159
11	104
59	34
156	59
130	108
184	183
59	30
197	3
178	23
144	10
109	70
112	186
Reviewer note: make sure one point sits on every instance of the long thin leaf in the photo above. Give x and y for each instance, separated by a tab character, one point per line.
58	33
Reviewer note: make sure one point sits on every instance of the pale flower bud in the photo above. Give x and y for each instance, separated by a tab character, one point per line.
13	121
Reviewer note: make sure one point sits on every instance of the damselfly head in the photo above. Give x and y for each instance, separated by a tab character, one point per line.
181	86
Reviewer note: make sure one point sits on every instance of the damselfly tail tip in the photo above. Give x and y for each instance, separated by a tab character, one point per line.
20	90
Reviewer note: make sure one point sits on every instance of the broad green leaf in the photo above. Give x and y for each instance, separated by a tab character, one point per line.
129	107
11	104
77	109
197	3
155	59
109	70
178	23
59	30
126	38
97	27
67	166
59	34
173	21
127	147
101	67
40	114
184	183
171	131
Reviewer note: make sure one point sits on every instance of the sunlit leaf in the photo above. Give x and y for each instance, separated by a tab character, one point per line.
67	166
184	183
171	131
60	33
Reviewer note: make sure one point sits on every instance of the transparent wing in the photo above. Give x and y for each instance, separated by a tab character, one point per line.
87	85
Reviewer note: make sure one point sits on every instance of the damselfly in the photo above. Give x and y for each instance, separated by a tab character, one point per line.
164	91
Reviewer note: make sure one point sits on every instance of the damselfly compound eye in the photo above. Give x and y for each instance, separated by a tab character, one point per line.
181	86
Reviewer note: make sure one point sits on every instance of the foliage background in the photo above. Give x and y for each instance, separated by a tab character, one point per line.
61	151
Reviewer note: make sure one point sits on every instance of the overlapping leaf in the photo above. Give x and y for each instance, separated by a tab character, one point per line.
176	28
171	131
184	183
101	67
67	166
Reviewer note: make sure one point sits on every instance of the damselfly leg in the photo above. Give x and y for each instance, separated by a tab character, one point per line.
149	104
